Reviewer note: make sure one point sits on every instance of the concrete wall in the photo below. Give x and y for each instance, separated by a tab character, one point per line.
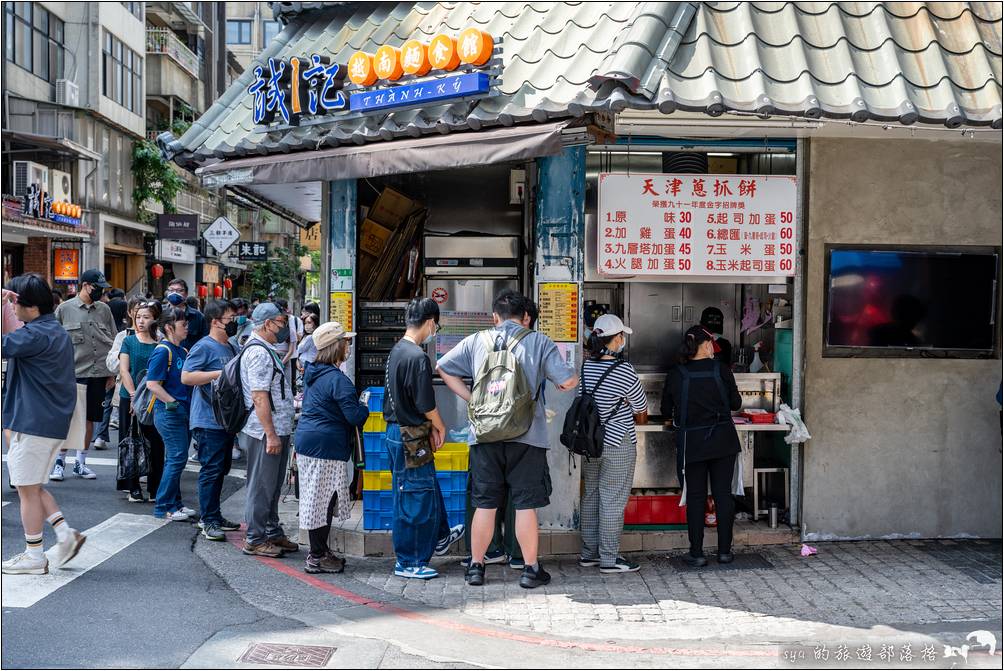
905	447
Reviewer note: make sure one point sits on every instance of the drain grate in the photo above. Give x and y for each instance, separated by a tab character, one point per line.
281	654
747	561
980	560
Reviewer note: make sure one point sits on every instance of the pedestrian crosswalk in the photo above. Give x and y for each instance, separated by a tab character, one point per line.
104	540
107	461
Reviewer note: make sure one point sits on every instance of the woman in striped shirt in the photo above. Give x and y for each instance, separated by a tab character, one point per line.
620	400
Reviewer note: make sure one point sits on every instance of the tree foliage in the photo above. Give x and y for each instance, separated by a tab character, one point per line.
280	274
154	178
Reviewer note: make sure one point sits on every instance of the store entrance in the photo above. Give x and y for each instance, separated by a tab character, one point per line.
115	270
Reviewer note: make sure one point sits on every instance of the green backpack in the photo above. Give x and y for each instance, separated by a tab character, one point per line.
502	403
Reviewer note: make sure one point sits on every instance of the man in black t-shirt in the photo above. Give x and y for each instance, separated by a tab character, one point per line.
420	528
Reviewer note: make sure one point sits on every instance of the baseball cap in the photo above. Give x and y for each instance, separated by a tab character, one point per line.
329	333
264	312
610	325
95	277
713	320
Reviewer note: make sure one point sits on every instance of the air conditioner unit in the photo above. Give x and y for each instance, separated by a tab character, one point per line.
60	186
27	173
67	93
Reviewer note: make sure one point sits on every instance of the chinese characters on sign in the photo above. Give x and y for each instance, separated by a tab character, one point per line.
340	308
221	234
252	251
559	311
40	205
177	226
711	225
297	87
65	265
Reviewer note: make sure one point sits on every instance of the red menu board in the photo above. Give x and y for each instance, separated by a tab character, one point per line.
710	225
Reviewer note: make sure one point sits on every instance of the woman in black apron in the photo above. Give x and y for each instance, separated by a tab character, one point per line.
702	393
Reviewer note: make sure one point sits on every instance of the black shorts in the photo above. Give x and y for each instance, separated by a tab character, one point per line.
95	397
520	468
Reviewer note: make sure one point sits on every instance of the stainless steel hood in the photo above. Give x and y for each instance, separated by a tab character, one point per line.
472	256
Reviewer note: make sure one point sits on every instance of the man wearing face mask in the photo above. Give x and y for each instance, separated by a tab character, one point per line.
266	436
92	330
203	365
177	295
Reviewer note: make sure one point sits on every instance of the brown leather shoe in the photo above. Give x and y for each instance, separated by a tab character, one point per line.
263	549
285	544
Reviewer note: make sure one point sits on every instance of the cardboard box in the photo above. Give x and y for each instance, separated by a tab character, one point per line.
373	237
391	208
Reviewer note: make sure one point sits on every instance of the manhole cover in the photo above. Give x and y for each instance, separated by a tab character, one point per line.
280	654
742	562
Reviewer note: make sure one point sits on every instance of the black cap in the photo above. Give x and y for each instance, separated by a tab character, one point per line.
95	277
713	319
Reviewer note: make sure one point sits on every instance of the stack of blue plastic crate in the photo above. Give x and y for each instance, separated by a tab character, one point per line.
378	509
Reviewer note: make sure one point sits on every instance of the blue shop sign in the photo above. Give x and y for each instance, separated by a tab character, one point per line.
429	92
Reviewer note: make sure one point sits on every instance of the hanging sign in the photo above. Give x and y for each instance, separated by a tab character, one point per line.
558	303
221	234
431	92
174	226
40	205
169	250
710	225
340	308
65	265
252	251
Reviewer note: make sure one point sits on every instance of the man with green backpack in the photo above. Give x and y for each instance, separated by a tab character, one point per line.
508	364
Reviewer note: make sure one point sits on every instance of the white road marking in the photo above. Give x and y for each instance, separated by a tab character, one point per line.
105	461
104	540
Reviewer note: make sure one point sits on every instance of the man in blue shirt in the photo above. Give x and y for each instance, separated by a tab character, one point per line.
44	409
204	363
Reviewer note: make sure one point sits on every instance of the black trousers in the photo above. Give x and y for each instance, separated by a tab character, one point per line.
156	453
319	536
720	470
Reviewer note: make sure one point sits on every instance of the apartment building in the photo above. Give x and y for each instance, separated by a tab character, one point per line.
250	28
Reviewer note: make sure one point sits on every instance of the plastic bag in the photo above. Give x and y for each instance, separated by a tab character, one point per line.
799	433
134	453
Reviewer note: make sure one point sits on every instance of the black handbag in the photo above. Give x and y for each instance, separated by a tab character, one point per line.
134	453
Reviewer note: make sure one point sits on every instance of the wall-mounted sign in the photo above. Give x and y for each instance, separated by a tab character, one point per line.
40	205
65	265
340	308
210	273
221	234
252	251
174	226
311	238
713	225
288	90
559	311
170	250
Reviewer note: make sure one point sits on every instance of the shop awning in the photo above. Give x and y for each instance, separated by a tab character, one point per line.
57	145
388	158
893	62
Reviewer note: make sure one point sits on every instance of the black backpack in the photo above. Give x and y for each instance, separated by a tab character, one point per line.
583	430
227	395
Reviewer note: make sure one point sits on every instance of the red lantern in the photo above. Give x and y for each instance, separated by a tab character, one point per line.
157	271
228	283
203	291
217	291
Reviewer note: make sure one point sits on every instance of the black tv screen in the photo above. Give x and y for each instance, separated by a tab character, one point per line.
883	300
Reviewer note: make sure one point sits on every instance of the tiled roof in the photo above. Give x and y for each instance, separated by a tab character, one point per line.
937	63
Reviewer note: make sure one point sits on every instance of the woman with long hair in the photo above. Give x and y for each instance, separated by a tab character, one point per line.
621	403
170	411
324	439
133	359
701	393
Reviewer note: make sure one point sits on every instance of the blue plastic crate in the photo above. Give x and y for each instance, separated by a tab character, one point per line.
376	399
455	502
379	519
452	481
381	500
375	451
455	517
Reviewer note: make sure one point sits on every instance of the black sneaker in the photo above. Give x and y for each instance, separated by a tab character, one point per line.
475	575
227	525
621	565
213	532
136	496
532	579
696	562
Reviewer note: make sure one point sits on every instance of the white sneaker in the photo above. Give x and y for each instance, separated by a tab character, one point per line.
236	454
23	564
194	457
57	472
188	511
177	516
67	549
99	444
81	471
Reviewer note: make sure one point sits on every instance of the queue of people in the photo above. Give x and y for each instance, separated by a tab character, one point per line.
49	410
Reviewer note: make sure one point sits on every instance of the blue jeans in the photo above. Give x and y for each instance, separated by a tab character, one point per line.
172	425
101	430
214	455
419	510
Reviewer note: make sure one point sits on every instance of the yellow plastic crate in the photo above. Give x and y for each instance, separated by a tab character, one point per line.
453	457
376	480
375	424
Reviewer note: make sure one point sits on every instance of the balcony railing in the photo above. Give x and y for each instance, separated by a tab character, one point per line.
163	41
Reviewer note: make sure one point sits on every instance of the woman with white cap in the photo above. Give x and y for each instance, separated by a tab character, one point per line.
621	402
331	412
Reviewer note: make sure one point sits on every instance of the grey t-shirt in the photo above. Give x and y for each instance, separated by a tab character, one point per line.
539	358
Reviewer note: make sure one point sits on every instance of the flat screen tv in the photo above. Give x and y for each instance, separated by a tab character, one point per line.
911	302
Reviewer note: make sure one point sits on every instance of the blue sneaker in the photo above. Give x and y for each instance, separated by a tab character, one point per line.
419	572
443	546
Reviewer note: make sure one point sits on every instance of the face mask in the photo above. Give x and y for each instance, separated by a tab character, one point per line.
308	329
231	328
95	294
282	335
174	298
242	320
